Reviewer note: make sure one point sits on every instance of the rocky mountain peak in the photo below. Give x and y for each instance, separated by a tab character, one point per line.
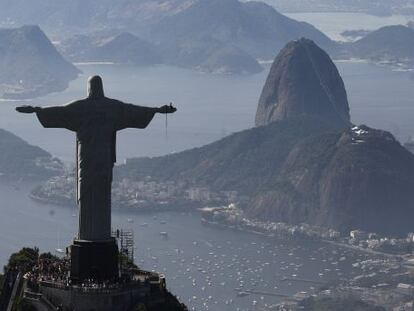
30	65
303	81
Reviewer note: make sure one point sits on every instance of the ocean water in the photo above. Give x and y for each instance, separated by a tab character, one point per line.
209	106
205	266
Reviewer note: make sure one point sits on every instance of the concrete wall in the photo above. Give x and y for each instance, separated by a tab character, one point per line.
96	300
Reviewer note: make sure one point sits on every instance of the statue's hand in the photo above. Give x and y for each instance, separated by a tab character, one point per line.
167	109
26	109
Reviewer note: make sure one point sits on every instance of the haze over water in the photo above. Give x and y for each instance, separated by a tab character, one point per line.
203	265
210	107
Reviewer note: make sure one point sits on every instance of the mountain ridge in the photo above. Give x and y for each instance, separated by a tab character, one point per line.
20	160
30	66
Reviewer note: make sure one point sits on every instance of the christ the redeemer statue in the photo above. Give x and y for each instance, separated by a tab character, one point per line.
95	119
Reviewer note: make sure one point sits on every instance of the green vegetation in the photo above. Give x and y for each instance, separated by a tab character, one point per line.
24	260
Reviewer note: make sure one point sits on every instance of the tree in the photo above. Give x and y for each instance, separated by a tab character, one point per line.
24	260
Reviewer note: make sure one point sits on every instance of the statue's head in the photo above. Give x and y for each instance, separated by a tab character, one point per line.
95	87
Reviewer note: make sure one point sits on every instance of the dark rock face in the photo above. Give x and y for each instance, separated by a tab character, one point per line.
30	66
303	81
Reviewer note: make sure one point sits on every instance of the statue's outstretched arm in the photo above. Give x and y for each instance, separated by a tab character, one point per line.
28	109
166	109
133	116
54	116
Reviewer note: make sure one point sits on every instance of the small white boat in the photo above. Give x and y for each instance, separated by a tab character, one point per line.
59	250
242	294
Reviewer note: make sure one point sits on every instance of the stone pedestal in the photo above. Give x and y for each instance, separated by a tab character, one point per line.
96	260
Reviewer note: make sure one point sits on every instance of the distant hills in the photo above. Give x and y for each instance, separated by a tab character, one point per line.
63	18
30	66
123	48
373	7
219	36
254	27
216	36
390	43
19	160
303	168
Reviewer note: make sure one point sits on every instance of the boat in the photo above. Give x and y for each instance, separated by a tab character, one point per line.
242	294
59	250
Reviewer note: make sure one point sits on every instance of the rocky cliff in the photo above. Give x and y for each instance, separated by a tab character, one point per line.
303	81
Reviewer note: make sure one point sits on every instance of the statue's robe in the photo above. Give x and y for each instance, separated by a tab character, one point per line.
95	122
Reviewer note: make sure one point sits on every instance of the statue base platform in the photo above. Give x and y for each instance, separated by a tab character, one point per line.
97	260
148	290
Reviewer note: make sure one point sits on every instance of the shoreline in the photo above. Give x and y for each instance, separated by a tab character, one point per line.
157	208
334	243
